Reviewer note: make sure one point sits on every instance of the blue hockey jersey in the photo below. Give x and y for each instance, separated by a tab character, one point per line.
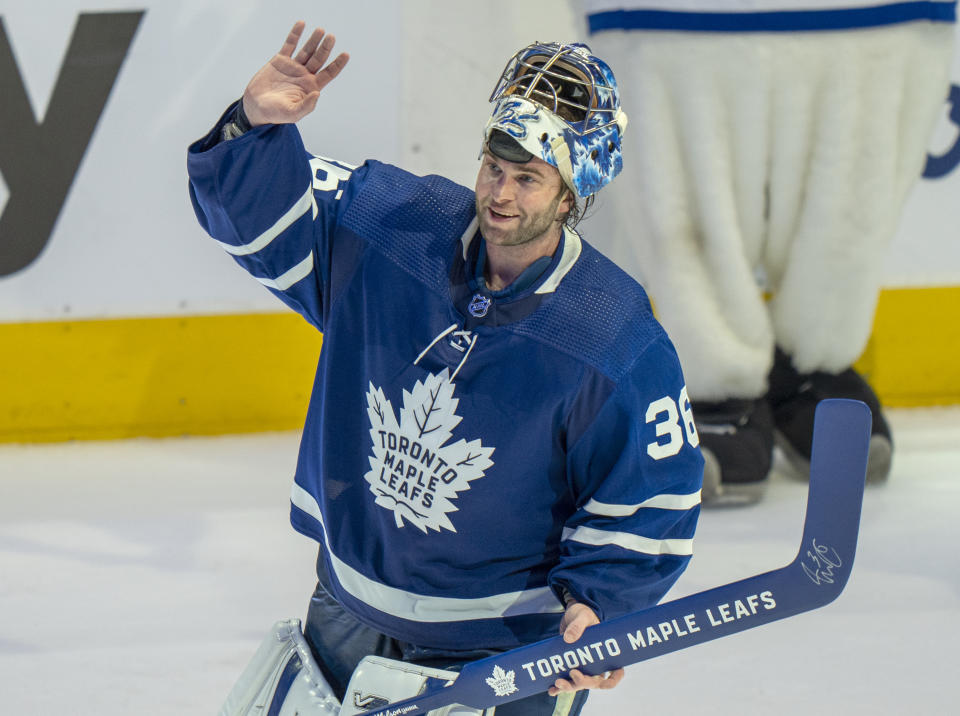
466	456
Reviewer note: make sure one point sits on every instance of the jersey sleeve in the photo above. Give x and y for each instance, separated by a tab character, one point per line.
636	473
274	207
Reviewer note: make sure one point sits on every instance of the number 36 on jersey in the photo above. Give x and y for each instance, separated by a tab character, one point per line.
673	419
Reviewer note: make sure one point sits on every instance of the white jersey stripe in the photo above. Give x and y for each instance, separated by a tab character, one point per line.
421	607
572	248
287	279
658	502
634	543
293	213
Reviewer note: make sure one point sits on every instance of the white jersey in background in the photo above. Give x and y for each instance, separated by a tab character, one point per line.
767	139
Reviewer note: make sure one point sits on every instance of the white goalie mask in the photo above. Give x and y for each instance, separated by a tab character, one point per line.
559	103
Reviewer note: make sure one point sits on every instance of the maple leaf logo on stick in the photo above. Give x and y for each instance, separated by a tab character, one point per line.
503	682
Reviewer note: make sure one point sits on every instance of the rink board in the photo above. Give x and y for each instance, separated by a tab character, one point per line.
101	379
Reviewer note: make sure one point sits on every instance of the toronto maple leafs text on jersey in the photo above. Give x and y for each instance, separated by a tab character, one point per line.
461	470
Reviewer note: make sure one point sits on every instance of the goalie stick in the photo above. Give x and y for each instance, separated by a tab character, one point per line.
816	577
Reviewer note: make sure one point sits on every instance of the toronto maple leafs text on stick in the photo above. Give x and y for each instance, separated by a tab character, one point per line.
580	656
573	658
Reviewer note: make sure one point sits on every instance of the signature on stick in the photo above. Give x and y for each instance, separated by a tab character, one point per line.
820	563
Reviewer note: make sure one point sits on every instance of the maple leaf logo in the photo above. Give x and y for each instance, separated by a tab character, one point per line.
502	682
413	471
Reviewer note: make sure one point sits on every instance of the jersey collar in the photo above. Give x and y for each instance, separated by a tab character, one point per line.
543	275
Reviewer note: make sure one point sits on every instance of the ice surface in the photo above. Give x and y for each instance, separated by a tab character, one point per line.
139	576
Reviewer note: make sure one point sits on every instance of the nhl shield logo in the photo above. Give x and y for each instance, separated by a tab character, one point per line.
479	305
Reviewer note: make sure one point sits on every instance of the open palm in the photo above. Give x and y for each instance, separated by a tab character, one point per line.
286	89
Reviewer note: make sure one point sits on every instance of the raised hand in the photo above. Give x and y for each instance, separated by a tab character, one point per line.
286	89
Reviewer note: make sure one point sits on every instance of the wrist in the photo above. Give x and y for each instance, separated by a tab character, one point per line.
239	123
567	598
240	117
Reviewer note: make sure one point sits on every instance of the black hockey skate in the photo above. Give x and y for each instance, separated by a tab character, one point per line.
793	398
736	439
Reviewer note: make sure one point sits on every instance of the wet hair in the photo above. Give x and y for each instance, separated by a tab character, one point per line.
578	210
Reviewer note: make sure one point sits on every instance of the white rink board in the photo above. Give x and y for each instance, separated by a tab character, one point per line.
415	93
126	242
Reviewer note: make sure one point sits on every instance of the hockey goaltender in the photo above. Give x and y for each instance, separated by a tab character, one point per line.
557	476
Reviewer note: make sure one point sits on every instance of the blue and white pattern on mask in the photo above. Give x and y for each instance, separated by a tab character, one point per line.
561	104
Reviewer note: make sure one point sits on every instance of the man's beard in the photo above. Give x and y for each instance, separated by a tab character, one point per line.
526	229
